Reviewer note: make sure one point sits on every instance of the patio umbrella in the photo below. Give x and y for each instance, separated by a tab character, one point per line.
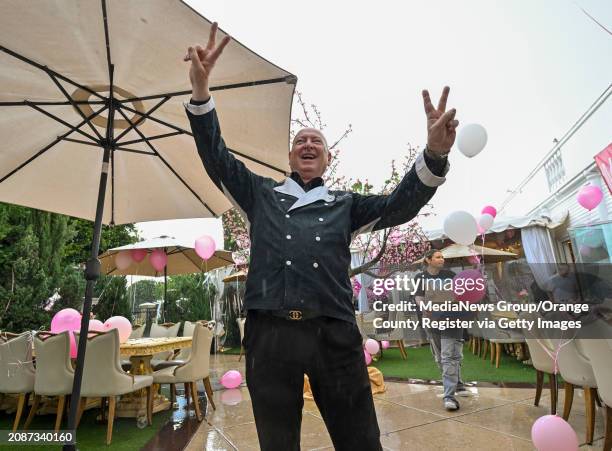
182	259
459	251
92	121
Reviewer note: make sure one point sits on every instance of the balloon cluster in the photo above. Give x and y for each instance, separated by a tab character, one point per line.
371	348
461	227
69	320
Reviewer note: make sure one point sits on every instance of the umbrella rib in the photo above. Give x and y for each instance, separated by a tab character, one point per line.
137	130
107	42
151	138
61	121
154	119
47	147
74	102
255	160
80	141
49	71
61	88
140	119
143	152
289	79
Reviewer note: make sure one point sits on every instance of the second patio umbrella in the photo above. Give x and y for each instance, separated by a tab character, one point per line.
182	259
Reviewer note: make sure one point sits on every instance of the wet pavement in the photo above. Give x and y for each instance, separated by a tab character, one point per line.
410	416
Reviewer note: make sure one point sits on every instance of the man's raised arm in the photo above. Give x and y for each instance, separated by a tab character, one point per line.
420	183
230	175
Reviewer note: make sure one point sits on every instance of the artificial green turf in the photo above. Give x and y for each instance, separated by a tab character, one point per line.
420	365
91	436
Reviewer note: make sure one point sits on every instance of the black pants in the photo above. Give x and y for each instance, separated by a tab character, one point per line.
278	354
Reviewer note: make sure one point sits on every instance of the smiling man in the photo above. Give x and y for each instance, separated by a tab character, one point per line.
300	318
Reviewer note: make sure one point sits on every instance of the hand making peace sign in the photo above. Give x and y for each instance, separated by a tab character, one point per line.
441	124
202	62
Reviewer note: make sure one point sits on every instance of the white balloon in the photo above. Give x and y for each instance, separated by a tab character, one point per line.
486	221
461	227
472	139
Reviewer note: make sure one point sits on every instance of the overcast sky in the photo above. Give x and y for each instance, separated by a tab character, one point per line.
525	70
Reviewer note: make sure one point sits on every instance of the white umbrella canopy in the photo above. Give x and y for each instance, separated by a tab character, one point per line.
182	259
55	73
458	251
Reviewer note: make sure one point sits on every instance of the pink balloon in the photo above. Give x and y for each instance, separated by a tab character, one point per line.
372	346
205	247
490	210
367	357
553	433
158	259
589	196
138	255
122	325
231	379
123	260
469	286
95	325
231	397
385	344
66	319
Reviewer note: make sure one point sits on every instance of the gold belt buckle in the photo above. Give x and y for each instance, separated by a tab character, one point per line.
295	315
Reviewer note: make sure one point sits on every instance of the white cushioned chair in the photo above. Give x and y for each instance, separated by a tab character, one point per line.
194	369
54	372
159	331
17	372
104	378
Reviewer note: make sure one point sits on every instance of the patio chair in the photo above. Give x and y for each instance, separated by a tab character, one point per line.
241	322
54	372
159	331
541	351
17	372
137	332
194	369
104	378
576	370
599	353
497	337
365	324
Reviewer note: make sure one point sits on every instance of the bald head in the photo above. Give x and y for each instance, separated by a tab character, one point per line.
309	154
311	131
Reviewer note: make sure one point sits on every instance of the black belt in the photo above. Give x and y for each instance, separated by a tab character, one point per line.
292	315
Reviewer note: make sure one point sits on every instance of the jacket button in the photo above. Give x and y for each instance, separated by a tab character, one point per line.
287	216
288	262
288	237
320	219
318	238
315	265
282	200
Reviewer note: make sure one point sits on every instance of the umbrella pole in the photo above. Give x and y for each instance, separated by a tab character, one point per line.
92	273
92	270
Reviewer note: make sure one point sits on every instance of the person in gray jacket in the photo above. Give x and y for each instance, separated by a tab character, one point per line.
300	319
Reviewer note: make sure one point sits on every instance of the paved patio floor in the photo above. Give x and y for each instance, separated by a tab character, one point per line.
410	417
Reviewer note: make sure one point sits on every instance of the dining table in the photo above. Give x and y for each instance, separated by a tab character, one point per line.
140	352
